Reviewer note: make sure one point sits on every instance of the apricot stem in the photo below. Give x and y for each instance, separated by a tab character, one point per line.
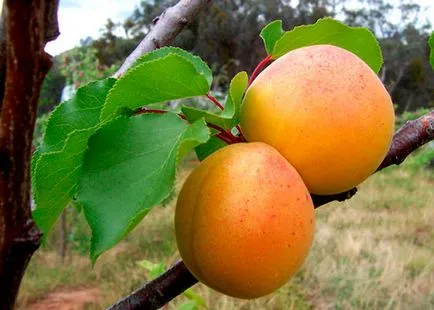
215	101
264	62
224	133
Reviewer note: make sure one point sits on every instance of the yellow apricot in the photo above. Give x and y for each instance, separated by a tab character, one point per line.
326	112
244	220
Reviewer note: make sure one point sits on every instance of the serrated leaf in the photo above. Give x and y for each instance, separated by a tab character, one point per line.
431	54
56	165
230	116
360	41
270	34
206	149
80	112
130	167
201	67
56	178
166	78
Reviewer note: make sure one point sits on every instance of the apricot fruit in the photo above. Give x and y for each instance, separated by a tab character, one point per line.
326	112
244	220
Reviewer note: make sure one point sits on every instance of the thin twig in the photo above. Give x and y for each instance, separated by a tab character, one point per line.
166	27
215	101
264	62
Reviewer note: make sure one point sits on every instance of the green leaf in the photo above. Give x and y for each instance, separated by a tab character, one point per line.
360	41
167	78
191	295
130	167
56	165
189	305
206	149
270	34
154	269
431	45
201	67
230	116
80	112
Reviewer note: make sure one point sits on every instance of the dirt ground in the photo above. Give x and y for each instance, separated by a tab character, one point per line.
67	300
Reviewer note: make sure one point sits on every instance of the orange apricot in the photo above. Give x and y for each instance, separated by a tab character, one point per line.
326	112
244	220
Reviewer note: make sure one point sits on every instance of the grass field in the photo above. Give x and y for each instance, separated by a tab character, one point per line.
375	251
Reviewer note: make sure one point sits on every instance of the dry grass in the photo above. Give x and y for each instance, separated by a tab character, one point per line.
375	251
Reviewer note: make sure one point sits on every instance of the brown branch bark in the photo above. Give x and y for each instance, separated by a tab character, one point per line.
174	281
157	293
27	29
166	27
3	39
411	136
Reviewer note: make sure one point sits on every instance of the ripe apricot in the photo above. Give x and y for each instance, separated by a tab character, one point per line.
244	220
326	112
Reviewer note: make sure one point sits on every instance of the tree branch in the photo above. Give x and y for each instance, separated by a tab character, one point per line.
177	279
27	32
158	292
166	27
411	136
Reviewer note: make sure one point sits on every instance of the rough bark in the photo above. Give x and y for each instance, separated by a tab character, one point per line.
158	292
3	38
27	31
166	27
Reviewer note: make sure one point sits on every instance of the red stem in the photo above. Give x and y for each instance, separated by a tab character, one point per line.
266	61
241	136
224	139
224	133
215	101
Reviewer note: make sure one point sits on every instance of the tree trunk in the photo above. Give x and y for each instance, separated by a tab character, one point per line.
28	26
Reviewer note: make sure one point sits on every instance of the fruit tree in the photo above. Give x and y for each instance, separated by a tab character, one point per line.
309	124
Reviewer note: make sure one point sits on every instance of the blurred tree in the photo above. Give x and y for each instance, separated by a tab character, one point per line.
51	90
226	37
81	65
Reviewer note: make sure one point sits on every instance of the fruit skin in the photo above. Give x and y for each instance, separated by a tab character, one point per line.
326	112
244	220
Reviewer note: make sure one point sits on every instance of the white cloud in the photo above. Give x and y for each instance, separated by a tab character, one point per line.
83	18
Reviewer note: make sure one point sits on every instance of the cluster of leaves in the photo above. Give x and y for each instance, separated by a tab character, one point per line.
117	163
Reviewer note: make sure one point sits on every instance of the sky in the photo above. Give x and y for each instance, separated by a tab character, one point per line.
79	19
